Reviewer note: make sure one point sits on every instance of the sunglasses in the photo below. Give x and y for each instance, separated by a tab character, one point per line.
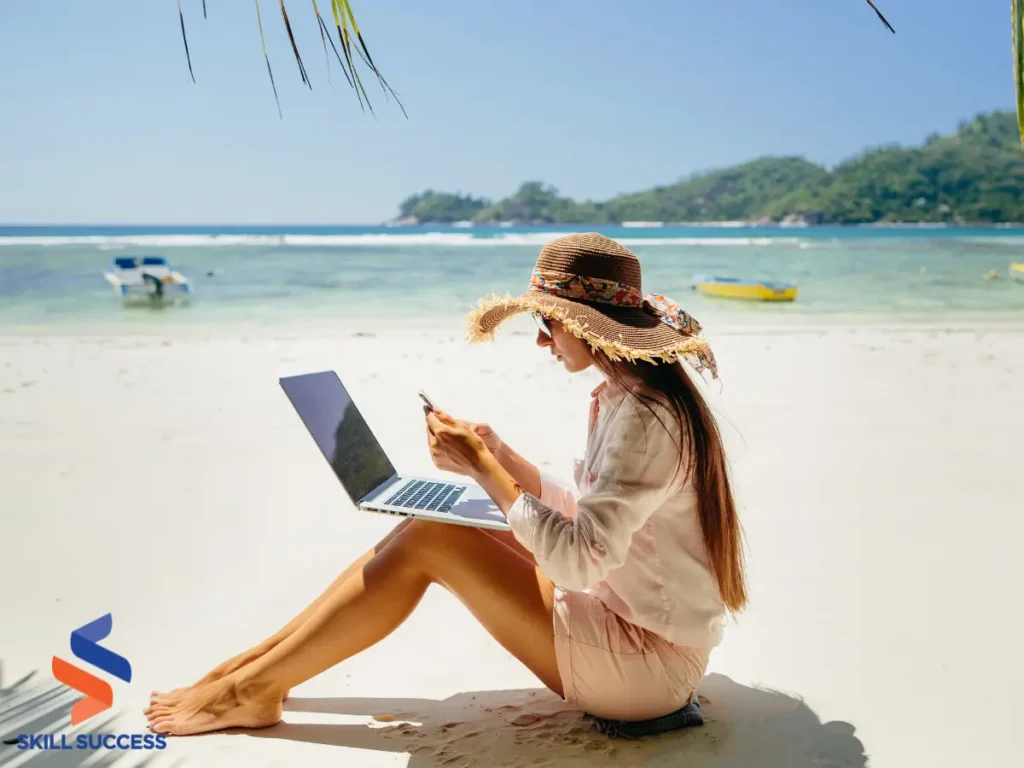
542	323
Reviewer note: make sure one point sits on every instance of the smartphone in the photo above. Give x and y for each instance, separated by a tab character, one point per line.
426	400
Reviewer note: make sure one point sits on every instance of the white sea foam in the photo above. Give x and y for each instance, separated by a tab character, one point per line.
452	239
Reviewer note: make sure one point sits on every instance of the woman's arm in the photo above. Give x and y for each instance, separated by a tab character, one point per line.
525	474
528	476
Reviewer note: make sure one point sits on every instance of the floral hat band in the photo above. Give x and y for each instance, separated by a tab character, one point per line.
584	288
598	290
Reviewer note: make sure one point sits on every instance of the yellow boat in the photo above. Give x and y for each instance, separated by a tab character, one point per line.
750	290
1017	272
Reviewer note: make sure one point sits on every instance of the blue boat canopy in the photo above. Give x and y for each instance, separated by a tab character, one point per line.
132	262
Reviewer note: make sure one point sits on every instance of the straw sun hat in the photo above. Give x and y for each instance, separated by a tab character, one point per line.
591	285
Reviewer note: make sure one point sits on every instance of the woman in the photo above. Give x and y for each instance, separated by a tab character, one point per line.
612	598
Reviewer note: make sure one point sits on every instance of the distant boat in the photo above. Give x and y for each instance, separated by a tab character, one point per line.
1017	272
750	290
148	277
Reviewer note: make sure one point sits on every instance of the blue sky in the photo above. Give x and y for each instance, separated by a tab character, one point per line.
100	123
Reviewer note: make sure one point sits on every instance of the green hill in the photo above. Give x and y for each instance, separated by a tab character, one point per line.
740	192
440	207
973	175
535	203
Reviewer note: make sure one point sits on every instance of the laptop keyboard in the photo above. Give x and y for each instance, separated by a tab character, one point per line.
422	494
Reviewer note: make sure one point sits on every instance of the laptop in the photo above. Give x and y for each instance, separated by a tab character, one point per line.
363	468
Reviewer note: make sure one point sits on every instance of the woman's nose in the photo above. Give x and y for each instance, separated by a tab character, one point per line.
543	340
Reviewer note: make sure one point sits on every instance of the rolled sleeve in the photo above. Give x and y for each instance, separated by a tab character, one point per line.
557	496
523	517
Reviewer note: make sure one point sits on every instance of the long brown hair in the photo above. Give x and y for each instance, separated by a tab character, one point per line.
701	460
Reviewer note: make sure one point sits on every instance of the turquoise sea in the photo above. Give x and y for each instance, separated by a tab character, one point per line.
276	276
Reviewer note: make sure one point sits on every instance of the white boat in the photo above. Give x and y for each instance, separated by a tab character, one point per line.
147	277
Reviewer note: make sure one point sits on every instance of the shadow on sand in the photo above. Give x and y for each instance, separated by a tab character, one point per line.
745	726
37	704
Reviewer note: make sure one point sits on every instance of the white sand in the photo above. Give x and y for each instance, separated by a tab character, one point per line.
169	482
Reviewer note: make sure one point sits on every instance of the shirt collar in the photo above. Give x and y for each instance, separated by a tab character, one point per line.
608	391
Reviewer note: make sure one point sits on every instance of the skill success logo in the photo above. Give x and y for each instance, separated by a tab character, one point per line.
98	695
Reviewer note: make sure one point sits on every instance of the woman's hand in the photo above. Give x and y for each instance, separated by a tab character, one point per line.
490	438
456	446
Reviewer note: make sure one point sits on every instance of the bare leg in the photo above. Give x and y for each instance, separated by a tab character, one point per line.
506	593
237	662
509	540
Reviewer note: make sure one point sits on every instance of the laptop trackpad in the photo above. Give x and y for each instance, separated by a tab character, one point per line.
476	508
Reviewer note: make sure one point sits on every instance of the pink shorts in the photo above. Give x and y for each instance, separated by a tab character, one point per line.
616	670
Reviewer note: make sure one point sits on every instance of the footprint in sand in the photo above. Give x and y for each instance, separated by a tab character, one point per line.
527	718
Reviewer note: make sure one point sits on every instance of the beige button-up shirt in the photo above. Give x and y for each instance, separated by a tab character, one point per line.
629	534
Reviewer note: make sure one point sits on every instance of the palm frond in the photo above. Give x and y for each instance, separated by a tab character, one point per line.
323	40
1017	13
369	59
295	48
184	37
884	20
324	32
346	45
341	42
259	20
343	16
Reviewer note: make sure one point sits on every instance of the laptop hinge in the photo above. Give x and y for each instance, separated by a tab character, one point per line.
390	481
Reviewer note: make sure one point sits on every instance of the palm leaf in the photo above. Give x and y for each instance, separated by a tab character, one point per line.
884	20
323	40
184	37
204	9
295	48
1017	13
341	41
326	34
369	59
259	20
339	7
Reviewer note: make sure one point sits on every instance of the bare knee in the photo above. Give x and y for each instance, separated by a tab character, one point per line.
424	541
429	532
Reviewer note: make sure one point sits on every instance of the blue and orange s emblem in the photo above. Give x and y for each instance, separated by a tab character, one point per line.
85	644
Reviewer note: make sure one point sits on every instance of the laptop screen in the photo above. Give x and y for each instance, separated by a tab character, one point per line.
343	436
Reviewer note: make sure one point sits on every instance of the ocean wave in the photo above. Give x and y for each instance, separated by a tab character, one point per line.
115	242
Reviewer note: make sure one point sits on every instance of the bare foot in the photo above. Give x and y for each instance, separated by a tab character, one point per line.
213	707
177	693
218	673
